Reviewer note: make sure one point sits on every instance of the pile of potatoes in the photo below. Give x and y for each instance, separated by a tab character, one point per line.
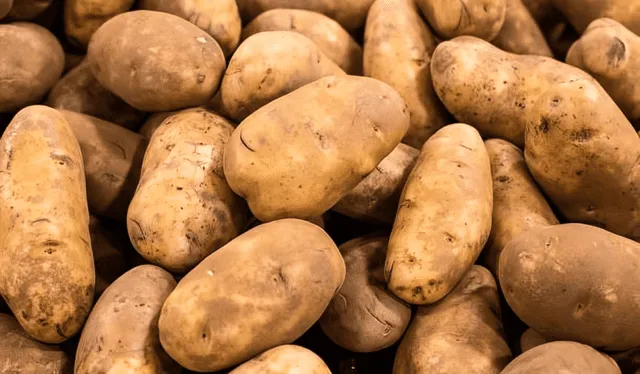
320	186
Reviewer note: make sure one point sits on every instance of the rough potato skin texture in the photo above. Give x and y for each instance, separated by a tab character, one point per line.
452	18
375	199
531	339
518	204
108	254
596	177
183	168
562	357
582	12
397	51
285	359
461	334
520	33
83	17
575	282
295	157
444	217
30	64
156	61
47	276
5	7
121	333
364	316
28	9
333	40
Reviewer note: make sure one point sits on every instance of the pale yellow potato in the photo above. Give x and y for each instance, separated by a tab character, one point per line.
285	359
520	33
83	17
582	12
531	339
452	18
28	9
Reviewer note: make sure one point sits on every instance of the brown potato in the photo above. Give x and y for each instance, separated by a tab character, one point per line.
156	61
397	51
108	254
121	333
531	339
520	33
269	286
28	9
574	282
444	217
83	17
461	334
452	18
30	64
582	12
285	359
5	7
47	275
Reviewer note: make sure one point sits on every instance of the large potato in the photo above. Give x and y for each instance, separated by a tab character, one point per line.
582	12
461	334
575	282
83	17
47	275
5	7
520	33
156	61
30	64
295	156
267	287
285	359
28	9
444	217
121	333
451	18
397	51
108	253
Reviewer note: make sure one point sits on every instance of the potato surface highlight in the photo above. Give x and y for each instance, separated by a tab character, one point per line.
285	359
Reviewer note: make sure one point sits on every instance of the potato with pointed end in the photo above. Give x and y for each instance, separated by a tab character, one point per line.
520	33
285	359
531	339
444	217
582	12
83	17
5	7
25	10
452	18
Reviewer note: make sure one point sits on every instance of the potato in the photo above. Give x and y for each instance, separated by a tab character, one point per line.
5	7
156	61
520	33
518	204
19	353
531	339
444	216
397	51
83	17
582	12
285	359
183	168
334	41
375	198
562	357
28	9
574	282
108	254
121	334
47	276
461	334
31	63
269	65
303	173
595	179
479	18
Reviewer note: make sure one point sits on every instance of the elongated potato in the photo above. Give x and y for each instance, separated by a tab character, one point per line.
520	33
108	254
30	64
47	275
121	333
5	7
452	18
285	359
582	12
461	334
269	65
444	217
156	61
183	168
575	282
28	9
531	339
397	51
83	17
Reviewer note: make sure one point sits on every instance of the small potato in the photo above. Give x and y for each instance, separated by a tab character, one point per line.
375	198
397	51
121	333
31	62
531	339
582	12
26	10
562	357
285	359
327	34
461	334
364	316
520	33
108	254
268	286
451	18
575	282
269	65
156	61
5	7
444	217
83	17
47	276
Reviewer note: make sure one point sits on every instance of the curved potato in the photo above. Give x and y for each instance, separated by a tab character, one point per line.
452	18
574	282
5	7
582	12
520	33
444	216
531	339
285	359
460	334
25	10
397	51
83	17
156	61
31	63
121	333
47	275
108	254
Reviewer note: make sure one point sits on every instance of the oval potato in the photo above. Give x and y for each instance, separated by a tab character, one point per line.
582	12
520	33
83	17
452	18
285	359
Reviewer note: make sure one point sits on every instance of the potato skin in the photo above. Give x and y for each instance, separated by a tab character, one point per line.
397	51
156	61
574	282
461	334
479	18
48	276
5	7
284	268
83	17
429	251
520	33
582	12
531	339
30	65
285	359
25	10
154	121
121	333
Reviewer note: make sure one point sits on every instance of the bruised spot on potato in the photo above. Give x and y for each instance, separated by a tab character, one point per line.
503	179
62	159
616	52
582	135
543	126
